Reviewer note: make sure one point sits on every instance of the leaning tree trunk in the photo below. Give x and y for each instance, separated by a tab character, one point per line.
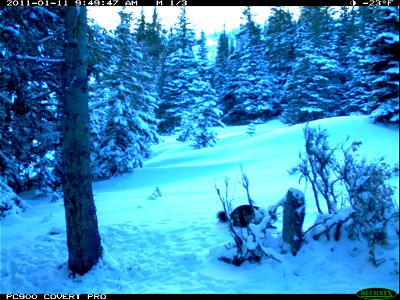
83	238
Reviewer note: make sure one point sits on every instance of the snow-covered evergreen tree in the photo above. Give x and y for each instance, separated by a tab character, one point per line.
279	44
151	40
202	51
181	41
179	69
372	69
141	28
191	100
384	63
223	49
188	100
30	66
10	203
314	88
355	31
155	36
222	69
250	93
202	116
204	113
98	62
183	35
130	126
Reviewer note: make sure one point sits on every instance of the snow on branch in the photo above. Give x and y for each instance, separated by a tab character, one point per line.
50	37
38	59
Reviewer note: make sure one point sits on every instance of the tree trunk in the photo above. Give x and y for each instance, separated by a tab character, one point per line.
293	218
83	238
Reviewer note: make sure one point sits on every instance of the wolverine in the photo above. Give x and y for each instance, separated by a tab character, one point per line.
241	216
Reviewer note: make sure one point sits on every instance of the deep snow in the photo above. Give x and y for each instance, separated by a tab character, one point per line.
170	244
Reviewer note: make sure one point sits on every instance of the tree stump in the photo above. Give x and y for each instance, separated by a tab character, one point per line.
293	218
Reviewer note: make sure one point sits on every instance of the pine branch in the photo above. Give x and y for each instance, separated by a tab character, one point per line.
50	37
37	59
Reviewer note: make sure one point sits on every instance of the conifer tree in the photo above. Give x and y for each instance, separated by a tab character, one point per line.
314	88
98	64
30	69
188	101
180	47
250	94
372	65
149	37
384	64
130	126
151	41
223	50
355	32
221	66
202	114
183	35
202	47
141	30
191	110
279	45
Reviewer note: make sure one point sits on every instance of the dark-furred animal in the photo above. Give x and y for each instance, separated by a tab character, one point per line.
240	216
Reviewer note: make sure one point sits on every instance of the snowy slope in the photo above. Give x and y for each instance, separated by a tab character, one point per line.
170	244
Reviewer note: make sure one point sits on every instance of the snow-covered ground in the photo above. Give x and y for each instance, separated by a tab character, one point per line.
170	244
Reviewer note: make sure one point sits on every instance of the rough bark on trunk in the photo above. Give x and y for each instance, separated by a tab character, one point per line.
293	218
83	238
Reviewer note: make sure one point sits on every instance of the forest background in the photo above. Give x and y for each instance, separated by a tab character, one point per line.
147	81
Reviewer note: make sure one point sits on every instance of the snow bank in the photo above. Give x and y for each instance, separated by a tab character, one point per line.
171	244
